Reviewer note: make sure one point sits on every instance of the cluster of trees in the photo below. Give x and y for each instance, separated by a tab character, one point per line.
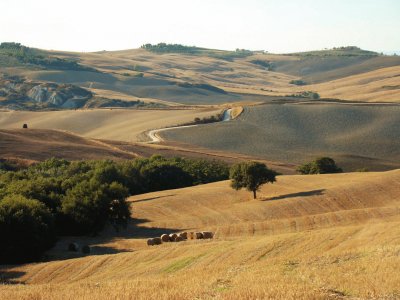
321	165
27	55
58	197
170	48
306	94
270	66
298	82
178	48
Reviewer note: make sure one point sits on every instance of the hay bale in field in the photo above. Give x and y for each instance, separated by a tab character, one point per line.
183	235
172	237
165	238
207	234
150	242
86	249
191	235
157	241
179	239
73	247
198	235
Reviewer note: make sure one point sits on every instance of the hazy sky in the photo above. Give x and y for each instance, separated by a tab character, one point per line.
272	25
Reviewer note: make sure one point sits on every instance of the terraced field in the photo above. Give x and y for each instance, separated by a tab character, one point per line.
356	136
306	237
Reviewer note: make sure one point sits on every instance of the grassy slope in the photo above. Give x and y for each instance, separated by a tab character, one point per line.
356	136
116	124
308	237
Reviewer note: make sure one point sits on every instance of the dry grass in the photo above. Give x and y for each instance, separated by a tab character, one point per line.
114	124
348	255
370	79
41	144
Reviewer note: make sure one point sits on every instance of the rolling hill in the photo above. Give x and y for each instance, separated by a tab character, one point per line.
318	236
208	76
41	144
114	124
356	136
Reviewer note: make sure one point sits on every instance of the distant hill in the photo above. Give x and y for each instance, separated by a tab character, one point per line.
192	75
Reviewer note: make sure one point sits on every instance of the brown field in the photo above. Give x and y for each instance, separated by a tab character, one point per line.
114	124
41	144
32	145
306	237
356	136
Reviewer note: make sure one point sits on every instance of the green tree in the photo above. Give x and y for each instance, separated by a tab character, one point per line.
251	175
26	229
322	165
87	207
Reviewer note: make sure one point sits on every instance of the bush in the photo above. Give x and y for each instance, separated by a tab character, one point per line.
298	82
26	229
322	165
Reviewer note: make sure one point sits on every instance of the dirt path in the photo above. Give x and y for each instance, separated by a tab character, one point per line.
155	137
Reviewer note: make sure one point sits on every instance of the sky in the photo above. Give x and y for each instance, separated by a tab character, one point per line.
278	26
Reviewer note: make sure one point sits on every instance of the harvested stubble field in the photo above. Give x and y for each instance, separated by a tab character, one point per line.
114	124
41	144
356	136
306	237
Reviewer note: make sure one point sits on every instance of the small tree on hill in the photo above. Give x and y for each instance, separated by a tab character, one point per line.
322	165
251	175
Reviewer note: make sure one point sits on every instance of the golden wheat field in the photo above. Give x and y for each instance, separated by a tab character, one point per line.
305	237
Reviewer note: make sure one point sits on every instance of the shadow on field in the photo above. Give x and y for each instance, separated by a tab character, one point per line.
103	243
153	198
294	195
9	277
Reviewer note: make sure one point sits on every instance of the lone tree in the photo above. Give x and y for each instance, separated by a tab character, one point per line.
322	165
251	175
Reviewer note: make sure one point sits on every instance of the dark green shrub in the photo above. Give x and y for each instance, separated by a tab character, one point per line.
322	165
26	229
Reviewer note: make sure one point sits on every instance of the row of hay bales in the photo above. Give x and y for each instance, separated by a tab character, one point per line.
180	237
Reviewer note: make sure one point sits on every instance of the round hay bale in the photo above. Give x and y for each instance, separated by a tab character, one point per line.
86	249
165	238
198	235
207	235
172	237
73	247
157	241
150	242
179	239
183	235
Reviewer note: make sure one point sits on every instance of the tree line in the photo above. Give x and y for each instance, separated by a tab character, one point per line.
57	197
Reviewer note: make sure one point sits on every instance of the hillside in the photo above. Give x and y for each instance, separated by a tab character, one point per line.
206	76
319	237
41	144
356	136
114	124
